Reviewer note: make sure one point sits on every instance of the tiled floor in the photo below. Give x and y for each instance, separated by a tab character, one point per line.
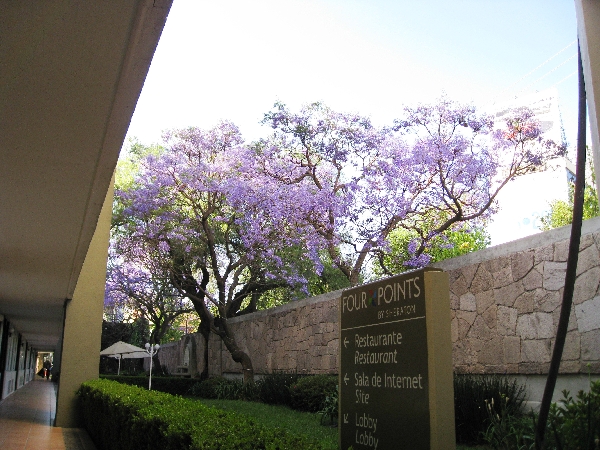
26	418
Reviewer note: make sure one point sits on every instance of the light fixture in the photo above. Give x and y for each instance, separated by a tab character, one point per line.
151	350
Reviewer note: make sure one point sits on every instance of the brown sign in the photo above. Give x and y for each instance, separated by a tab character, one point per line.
384	382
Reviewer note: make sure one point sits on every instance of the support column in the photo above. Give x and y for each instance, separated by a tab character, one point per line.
588	27
80	352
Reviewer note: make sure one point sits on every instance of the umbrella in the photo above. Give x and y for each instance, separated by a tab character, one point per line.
121	350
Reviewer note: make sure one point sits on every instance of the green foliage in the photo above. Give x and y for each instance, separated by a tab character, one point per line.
471	392
276	297
561	212
330	407
275	388
331	279
183	324
169	385
225	389
301	392
207	388
282	417
129	162
508	429
121	417
310	392
237	390
272	389
449	244
128	167
575	423
560	215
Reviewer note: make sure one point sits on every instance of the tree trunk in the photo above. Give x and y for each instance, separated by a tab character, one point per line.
241	357
354	278
238	355
157	368
185	281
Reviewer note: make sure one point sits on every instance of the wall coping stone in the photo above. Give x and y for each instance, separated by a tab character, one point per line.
520	245
509	248
172	344
295	304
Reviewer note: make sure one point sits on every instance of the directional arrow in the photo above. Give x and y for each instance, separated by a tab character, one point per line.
346	341
346	378
345	418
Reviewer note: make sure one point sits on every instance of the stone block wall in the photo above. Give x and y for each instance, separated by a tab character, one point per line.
505	310
504	300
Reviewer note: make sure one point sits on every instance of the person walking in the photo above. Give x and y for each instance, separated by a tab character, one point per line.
47	368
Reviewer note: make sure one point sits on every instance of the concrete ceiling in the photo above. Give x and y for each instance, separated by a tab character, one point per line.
70	75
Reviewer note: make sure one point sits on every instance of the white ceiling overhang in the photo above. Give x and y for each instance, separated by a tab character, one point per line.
70	76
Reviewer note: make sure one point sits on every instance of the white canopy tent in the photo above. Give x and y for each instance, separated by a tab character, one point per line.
120	350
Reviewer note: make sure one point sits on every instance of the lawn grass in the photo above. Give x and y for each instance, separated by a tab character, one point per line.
306	424
297	422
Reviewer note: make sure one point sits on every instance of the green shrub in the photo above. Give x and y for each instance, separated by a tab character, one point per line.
309	393
169	385
575	423
122	417
224	389
330	408
470	410
207	388
274	388
237	390
507	430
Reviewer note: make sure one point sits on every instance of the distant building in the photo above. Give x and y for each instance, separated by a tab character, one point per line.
527	198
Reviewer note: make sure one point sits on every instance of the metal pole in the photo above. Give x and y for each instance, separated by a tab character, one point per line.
571	274
150	379
151	350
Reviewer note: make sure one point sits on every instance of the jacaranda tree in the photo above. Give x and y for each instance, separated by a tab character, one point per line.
227	229
240	220
437	167
139	287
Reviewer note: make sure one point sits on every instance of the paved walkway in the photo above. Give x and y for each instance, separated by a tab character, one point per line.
26	418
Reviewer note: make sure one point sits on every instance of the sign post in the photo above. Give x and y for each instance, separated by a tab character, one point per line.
396	387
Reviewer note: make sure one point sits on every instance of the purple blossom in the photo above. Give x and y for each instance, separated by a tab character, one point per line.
355	182
324	180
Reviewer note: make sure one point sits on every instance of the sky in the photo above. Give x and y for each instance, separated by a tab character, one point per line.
233	59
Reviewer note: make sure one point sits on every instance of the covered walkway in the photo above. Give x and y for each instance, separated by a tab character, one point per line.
26	419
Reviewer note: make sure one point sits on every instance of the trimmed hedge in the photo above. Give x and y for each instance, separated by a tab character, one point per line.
170	385
119	416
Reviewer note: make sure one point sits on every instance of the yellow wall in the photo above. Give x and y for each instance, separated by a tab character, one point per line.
439	354
83	323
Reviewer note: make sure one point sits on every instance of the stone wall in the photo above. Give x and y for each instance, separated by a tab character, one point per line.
505	303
